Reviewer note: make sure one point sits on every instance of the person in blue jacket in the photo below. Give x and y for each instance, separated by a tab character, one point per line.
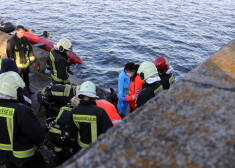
123	86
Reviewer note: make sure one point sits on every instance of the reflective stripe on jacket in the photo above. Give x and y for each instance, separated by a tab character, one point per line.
21	131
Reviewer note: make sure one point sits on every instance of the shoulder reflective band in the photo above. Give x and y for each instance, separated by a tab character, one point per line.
88	119
67	90
158	90
62	109
172	79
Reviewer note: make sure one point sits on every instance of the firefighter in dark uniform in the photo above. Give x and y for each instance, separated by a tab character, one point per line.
87	121
59	137
165	72
20	130
152	85
58	62
54	96
20	50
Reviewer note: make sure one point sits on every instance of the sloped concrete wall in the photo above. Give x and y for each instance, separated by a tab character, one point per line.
190	126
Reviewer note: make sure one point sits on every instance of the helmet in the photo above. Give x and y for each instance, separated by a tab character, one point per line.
162	64
10	82
88	89
64	44
146	70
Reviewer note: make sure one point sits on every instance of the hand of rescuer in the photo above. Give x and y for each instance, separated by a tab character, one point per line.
47	71
122	98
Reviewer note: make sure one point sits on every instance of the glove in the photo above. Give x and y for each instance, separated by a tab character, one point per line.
122	98
47	71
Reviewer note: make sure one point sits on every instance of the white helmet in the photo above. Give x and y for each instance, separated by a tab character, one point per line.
88	89
64	44
146	70
10	82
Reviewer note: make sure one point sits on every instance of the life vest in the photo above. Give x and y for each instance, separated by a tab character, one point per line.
110	110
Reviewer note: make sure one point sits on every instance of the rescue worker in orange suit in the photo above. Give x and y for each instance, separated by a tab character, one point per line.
152	86
58	62
135	87
20	130
87	121
165	72
20	50
110	110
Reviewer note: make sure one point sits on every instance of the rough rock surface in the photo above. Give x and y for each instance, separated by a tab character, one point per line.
190	126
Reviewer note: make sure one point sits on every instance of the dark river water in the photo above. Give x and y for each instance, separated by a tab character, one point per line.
107	34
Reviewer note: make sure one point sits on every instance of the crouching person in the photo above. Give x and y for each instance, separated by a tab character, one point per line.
20	130
87	121
55	96
59	137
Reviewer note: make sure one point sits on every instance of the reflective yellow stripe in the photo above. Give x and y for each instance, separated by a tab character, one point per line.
17	58
53	64
7	147
0	64
172	79
67	90
55	93
55	130
158	90
58	79
57	149
88	119
80	143
8	113
61	112
32	58
26	153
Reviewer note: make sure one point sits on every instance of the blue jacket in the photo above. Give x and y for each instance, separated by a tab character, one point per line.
123	86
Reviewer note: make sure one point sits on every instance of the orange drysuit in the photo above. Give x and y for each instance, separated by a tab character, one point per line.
110	110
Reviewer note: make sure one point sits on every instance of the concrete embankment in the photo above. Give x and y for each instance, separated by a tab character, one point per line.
190	126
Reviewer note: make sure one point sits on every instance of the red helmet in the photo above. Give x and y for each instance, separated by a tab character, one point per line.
162	64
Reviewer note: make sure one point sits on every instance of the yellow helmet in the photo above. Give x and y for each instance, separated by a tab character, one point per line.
64	44
10	82
146	70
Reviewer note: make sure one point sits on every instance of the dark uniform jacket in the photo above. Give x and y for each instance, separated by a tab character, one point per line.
20	132
20	50
57	63
167	80
60	94
87	122
148	92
